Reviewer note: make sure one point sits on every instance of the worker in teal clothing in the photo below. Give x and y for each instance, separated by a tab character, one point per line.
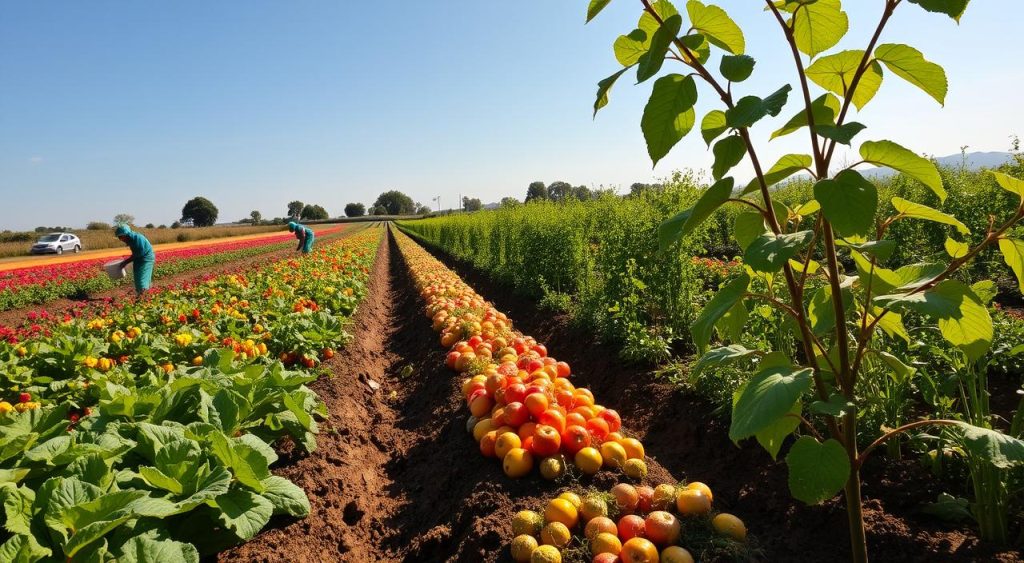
142	257
304	234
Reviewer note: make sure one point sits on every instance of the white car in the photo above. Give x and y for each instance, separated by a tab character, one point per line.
56	243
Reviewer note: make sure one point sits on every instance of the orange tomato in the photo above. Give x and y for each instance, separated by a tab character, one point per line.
614	455
692	502
536	403
561	510
634	449
588	460
563	369
605	542
554	419
639	550
526	430
505	443
517	462
702	488
480	406
487	443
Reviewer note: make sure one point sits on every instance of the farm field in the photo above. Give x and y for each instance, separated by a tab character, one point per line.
758	331
39	281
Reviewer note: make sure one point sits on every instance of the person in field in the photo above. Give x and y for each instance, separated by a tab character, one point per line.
142	258
304	234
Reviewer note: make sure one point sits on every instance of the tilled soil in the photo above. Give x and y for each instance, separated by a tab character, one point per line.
395	477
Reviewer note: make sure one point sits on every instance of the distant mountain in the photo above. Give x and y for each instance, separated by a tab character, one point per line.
974	161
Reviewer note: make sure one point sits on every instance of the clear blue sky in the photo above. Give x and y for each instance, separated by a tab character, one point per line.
109	107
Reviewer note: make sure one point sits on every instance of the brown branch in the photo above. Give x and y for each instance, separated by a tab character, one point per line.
885	437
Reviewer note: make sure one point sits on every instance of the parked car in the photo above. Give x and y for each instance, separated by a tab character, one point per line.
56	243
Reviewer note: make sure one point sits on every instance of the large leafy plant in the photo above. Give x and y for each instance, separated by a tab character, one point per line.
793	255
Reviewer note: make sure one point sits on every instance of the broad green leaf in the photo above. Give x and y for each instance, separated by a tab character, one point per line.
841	134
713	125
747	226
882	280
17	505
888	153
881	249
23	548
719	305
286	497
917	211
650	63
963	319
728	153
595	8
668	115
143	549
751	109
721	356
730	326
818	26
835	73
835	406
772	437
952	8
817	471
824	110
248	465
157	479
712	22
1013	254
986	290
891	324
90	521
902	371
1009	183
769	396
698	46
808	208
629	48
993	446
909	64
821	312
955	248
244	512
849	202
603	88
913	276
769	252
686	221
736	68
786	166
949	508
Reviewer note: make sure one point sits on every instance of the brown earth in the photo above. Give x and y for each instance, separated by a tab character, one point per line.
395	477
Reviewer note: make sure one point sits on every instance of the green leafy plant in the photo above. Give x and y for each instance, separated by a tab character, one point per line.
834	316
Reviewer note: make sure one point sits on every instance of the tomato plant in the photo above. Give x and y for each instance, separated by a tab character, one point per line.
834	323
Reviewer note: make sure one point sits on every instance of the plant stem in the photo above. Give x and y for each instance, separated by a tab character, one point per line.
854	502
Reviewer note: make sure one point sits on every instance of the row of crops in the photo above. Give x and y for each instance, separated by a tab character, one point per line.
32	285
144	434
526	413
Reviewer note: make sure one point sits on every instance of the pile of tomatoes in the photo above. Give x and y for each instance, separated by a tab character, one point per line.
525	410
627	524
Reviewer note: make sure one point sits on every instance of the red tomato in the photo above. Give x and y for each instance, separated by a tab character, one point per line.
516	414
515	393
598	428
612	418
631	526
574	439
554	419
546	441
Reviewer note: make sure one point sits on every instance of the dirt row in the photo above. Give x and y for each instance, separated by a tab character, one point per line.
396	478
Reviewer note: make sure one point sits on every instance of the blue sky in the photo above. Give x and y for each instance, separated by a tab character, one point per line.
109	107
